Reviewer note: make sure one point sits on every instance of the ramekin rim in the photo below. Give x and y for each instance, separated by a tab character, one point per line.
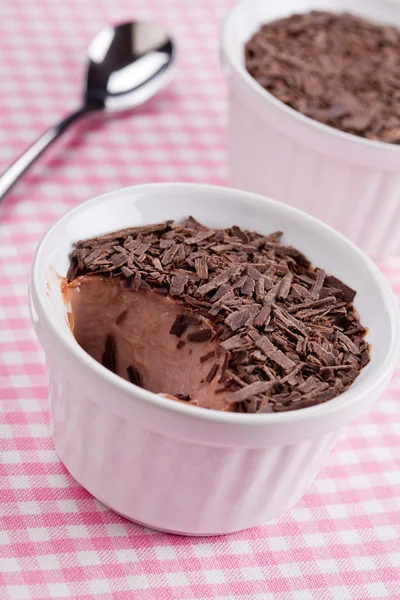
253	420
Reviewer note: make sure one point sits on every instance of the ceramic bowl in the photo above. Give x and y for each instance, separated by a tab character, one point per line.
351	183
176	467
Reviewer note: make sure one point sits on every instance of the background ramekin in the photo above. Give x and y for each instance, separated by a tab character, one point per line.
351	183
172	466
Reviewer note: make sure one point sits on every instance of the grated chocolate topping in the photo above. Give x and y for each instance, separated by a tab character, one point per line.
289	334
338	69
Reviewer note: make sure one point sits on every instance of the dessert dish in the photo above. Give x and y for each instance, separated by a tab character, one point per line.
330	168
225	319
165	463
339	69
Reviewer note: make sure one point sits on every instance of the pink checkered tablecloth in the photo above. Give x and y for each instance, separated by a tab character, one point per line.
342	540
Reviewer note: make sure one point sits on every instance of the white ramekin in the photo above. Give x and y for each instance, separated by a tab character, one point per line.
351	183
175	467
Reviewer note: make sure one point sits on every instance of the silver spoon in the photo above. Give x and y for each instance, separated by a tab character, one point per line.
128	64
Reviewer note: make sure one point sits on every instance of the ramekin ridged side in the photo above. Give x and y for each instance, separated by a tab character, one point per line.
172	484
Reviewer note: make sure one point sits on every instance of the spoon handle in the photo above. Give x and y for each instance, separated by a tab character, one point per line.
18	168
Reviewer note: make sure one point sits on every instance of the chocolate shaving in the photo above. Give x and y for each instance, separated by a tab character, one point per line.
134	376
109	357
348	292
233	342
93	256
258	387
242	318
319	282
201	267
72	271
117	260
200	237
202	335
178	283
124	233
260	290
169	254
326	357
220	293
207	356
212	373
219	280
181	323
121	317
328	300
248	286
137	281
162	291
286	284
274	354
126	271
192	223
347	343
265	311
184	397
365	358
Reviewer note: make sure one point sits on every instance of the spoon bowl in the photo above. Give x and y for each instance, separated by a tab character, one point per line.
127	65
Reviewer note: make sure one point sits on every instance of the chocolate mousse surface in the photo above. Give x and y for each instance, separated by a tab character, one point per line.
339	69
224	319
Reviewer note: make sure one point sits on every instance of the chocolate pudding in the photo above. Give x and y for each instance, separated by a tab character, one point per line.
129	333
338	69
224	319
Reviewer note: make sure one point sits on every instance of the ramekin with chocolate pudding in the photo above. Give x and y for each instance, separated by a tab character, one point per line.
164	462
305	149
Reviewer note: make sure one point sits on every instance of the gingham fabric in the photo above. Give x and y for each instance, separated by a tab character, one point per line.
342	540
